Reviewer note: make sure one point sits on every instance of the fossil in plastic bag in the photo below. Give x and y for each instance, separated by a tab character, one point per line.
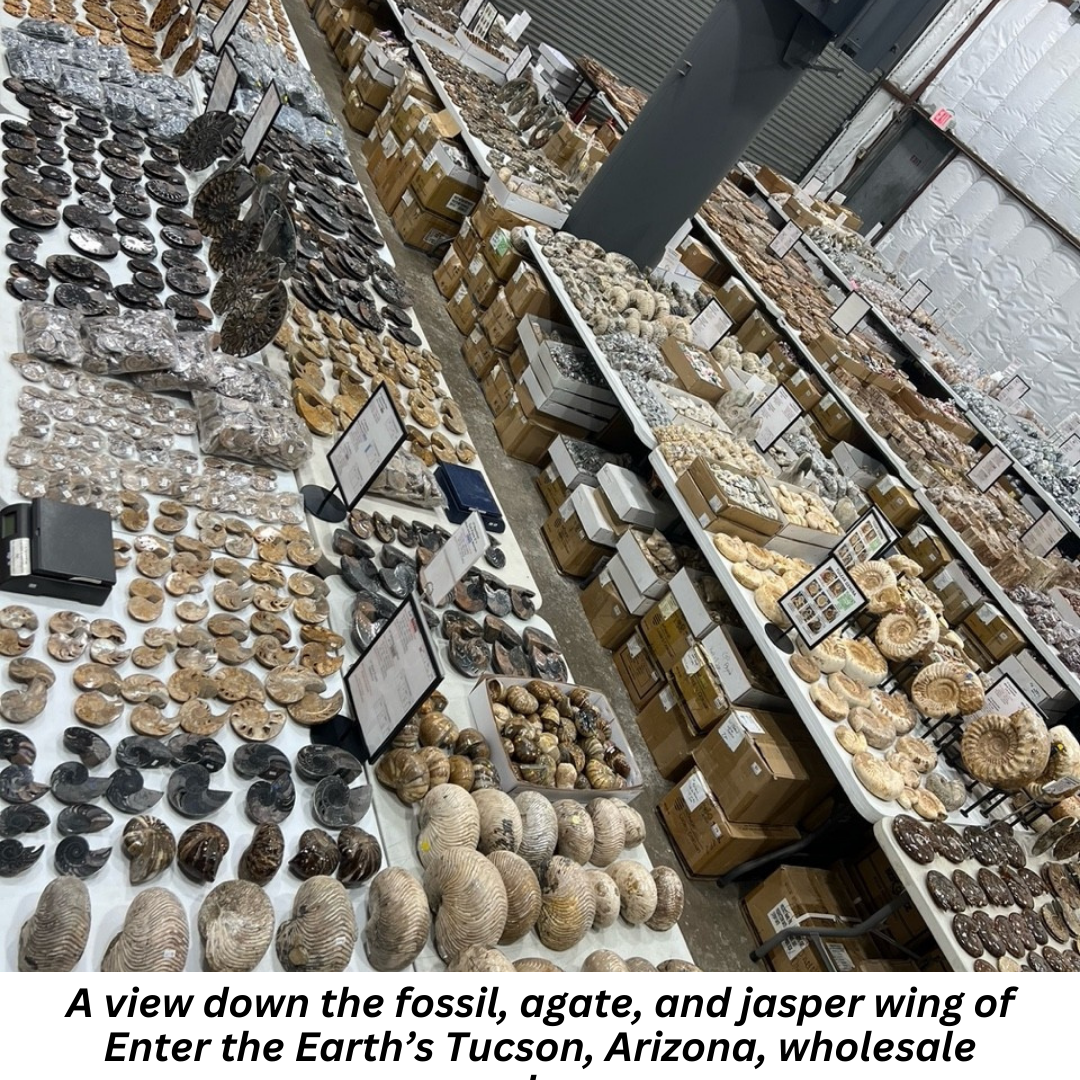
130	342
406	479
51	333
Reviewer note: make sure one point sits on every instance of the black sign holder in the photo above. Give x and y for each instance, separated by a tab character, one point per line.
227	24
224	87
884	526
323	503
850	313
780	394
362	738
782	243
840	575
262	118
916	296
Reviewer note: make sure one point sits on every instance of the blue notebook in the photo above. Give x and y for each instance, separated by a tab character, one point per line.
466	491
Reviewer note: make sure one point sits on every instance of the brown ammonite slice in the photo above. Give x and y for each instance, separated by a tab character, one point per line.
997	892
948	843
969	888
944	893
1061	883
1020	892
1022	929
914	839
1036	927
1014	946
968	936
1050	913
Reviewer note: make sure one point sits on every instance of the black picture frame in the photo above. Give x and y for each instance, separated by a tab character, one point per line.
884	526
272	95
850	312
348	500
226	74
410	605
228	22
774	395
790	609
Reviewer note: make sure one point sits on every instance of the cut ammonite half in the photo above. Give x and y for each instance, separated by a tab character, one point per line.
253	322
218	202
203	140
235	245
257	273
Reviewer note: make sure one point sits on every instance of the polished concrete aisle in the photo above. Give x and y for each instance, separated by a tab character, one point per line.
713	926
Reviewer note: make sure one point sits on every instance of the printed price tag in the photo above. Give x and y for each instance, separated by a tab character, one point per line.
781	917
366	446
785	240
227	24
694	792
774	416
470	10
1044	535
1070	450
455	558
850	313
1014	390
1005	698
992	467
916	296
710	326
519	64
825	601
732	733
395	675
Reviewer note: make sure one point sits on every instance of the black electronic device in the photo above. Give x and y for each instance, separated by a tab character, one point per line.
50	548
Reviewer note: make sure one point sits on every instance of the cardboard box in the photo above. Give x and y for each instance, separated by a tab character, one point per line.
350	48
647	578
698	259
833	418
479	355
694	369
412	83
420	228
803	388
519	358
667	631
528	294
462	310
382	155
500	254
449	274
773	182
399	173
482	283
521	437
445	185
872	883
434	128
759	774
550	415
701	689
927	548
375	84
895	501
467	243
707	843
666	730
551	488
705	517
801	896
640	673
500	323
596	516
702	601
564	456
605	612
574	553
708	481
490	215
497	388
635	601
742	671
757	333
631	500
1036	683
407	118
360	117
956	591
997	635
863	469
737	300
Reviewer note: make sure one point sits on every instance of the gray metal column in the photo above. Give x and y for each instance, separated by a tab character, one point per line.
741	64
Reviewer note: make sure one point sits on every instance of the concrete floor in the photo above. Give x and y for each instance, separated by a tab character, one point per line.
712	923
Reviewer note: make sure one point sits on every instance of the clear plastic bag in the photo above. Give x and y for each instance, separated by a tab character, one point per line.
81	86
48	29
130	342
251	431
408	480
51	333
28	61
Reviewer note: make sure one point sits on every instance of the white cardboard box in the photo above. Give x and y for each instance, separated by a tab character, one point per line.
547	404
684	588
645	577
592	514
723	650
631	499
634	600
567	467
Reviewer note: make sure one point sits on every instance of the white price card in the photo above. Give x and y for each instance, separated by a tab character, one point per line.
850	313
366	446
813	186
458	555
1070	450
1068	427
396	674
710	326
519	64
484	21
871	534
221	93
1005	698
774	416
227	24
470	10
1044	535
1014	390
916	296
261	121
823	602
785	240
987	473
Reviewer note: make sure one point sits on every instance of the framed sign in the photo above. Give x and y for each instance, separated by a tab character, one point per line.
825	601
221	93
992	467
775	416
1004	698
869	536
916	296
785	240
1070	450
484	21
396	675
1014	390
1044	535
461	552
850	313
227	24
262	120
366	446
519	64
710	326
470	10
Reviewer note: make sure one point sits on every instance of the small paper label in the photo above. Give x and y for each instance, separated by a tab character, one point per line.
667	698
633	646
732	733
460	205
749	722
19	557
668	606
476	266
840	957
781	917
755	768
566	510
692	662
694	792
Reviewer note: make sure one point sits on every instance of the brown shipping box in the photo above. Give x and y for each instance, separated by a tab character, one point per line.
701	690
408	116
758	773
445	186
575	554
708	844
522	438
462	310
665	727
399	172
501	255
680	357
667	632
497	388
528	294
358	116
640	673
801	896
482	283
605	612
479	355
449	274
490	215
500	324
895	501
434	128
551	488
